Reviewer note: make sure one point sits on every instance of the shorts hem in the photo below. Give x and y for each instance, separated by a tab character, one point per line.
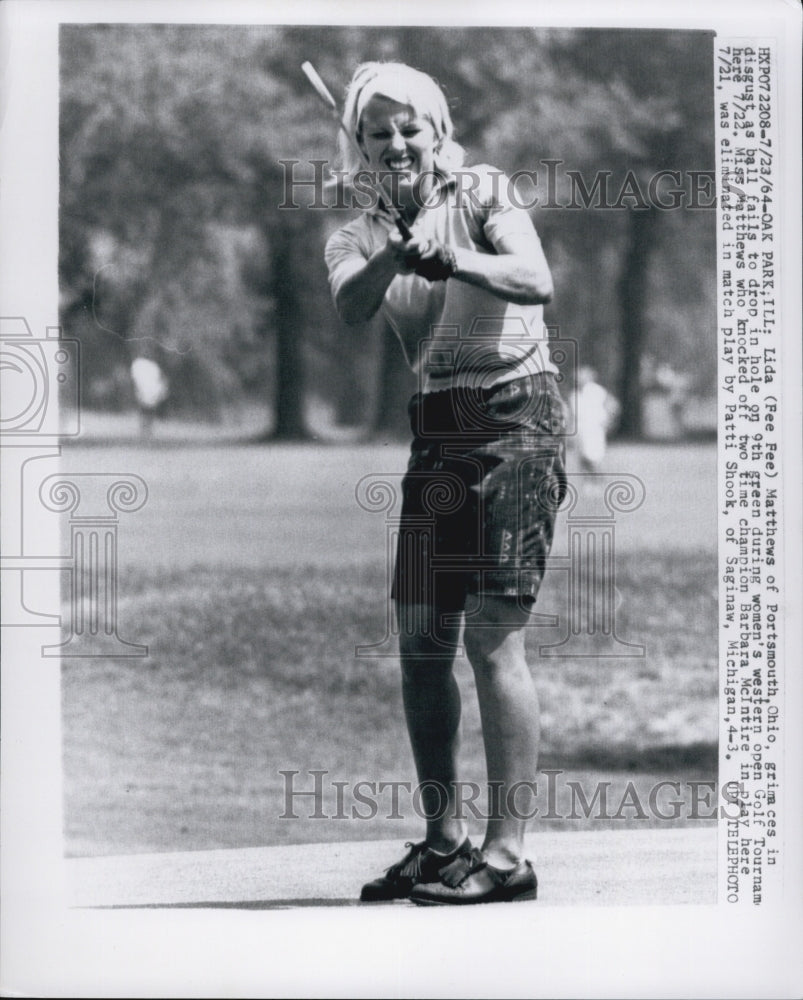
454	595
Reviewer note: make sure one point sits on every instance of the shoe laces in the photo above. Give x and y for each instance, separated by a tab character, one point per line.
410	864
458	871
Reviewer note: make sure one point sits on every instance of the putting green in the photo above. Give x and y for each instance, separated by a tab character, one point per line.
604	867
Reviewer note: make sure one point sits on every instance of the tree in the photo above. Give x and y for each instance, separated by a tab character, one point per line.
656	114
158	155
172	142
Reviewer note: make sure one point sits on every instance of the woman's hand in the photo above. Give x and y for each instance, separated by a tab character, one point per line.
405	254
361	294
427	258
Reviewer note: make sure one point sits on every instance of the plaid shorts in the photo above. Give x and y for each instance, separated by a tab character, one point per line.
483	486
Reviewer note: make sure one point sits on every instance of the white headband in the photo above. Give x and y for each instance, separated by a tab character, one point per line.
405	86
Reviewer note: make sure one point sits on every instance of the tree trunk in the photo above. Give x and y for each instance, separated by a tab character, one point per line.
633	300
396	383
355	369
289	327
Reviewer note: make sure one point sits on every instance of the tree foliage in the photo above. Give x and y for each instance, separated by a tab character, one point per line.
173	243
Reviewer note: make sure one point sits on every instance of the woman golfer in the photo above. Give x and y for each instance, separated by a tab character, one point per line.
486	471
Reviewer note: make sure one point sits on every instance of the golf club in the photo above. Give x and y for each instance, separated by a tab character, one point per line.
323	92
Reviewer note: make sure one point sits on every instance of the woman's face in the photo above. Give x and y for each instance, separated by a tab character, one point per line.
399	144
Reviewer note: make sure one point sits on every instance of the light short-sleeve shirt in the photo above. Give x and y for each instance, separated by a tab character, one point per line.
453	333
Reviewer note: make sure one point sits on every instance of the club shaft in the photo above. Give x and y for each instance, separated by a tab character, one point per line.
323	92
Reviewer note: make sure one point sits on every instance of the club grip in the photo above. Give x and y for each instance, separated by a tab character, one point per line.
403	228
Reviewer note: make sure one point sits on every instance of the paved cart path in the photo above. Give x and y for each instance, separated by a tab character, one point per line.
606	867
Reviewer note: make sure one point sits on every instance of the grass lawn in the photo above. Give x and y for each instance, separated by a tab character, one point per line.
291	505
252	573
251	673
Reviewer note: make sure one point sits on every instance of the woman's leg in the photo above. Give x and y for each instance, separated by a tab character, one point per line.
494	643
432	711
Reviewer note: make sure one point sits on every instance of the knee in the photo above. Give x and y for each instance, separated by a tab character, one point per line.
482	648
491	654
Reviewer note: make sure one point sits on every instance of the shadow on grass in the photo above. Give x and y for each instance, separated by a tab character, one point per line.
246	904
680	758
134	443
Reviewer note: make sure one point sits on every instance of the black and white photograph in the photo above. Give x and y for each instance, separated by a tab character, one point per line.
401	454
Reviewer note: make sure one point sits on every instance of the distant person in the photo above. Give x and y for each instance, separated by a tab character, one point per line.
151	390
665	400
676	387
486	473
596	413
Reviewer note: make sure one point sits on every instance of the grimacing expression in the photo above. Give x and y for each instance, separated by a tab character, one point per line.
395	140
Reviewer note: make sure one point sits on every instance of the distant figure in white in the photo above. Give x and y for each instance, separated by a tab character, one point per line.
151	389
596	414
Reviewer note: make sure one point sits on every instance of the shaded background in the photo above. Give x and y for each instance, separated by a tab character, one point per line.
173	246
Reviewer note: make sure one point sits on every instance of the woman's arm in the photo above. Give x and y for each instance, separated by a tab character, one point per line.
361	293
517	273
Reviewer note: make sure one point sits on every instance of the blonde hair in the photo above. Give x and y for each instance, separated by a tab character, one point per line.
405	85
